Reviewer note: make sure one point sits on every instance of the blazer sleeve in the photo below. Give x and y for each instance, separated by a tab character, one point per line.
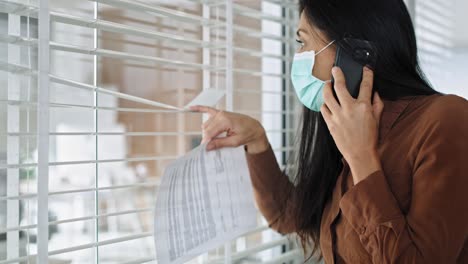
271	190
436	227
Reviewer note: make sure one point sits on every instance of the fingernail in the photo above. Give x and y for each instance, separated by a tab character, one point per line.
334	69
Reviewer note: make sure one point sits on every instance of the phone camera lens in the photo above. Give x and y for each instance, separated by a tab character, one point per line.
362	54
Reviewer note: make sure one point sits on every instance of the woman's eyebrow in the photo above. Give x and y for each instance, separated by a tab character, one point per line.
298	32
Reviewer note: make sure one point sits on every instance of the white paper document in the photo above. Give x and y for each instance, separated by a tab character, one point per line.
205	199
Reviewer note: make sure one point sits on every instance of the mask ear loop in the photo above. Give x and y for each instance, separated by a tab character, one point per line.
324	48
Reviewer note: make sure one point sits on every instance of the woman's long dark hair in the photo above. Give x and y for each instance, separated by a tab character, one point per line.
397	74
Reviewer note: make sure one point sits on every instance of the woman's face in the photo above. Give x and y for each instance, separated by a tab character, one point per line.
311	38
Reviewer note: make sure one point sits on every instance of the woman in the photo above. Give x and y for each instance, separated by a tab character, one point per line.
378	181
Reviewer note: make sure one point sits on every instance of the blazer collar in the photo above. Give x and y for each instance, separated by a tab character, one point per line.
392	110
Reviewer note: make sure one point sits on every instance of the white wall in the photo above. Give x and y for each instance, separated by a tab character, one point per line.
460	60
456	81
461	22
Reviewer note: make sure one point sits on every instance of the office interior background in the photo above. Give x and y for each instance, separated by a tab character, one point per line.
80	160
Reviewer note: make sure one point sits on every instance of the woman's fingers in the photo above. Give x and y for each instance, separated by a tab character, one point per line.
215	127
217	143
329	99
377	106
210	119
212	112
207	122
365	91
212	131
326	114
340	87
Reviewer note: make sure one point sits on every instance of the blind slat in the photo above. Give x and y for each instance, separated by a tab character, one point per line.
158	10
114	187
29	165
256	249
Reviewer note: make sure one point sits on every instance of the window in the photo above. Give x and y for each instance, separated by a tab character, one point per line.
435	26
81	157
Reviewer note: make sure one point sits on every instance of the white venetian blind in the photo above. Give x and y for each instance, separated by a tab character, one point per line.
81	154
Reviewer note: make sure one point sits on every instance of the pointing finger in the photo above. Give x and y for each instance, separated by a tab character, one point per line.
204	109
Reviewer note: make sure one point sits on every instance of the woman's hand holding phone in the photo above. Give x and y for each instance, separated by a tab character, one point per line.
354	123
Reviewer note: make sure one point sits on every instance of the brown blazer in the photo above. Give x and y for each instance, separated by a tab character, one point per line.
414	210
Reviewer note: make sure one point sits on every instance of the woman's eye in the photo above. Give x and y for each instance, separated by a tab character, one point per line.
300	42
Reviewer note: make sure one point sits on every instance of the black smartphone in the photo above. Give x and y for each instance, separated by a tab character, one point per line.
351	56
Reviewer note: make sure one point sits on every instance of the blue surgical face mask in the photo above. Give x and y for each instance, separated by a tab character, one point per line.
308	88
